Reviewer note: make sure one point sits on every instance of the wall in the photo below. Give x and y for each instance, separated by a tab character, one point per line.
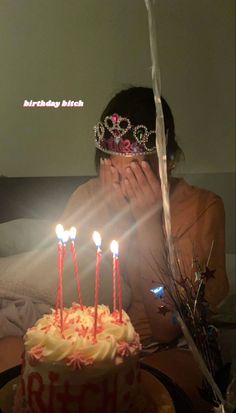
88	49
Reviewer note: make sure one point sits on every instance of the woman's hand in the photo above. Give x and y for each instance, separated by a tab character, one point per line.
143	190
109	178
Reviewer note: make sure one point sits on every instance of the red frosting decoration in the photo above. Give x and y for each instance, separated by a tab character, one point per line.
53	377
36	353
110	397
123	349
77	361
35	389
67	398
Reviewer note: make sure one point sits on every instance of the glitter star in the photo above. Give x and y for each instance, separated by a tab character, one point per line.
207	274
158	292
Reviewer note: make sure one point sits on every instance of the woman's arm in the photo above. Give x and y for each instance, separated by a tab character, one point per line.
205	241
206	232
144	193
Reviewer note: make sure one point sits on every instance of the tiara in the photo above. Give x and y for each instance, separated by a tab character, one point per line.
117	143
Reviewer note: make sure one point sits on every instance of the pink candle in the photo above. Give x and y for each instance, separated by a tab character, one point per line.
59	233
65	239
116	277
119	287
97	241
74	257
114	281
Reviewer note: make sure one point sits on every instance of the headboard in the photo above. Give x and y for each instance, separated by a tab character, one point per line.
36	197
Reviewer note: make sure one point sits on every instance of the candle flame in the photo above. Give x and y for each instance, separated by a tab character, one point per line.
114	247
66	236
59	231
72	233
97	239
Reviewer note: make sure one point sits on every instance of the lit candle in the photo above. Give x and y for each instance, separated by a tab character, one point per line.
116	277
97	240
72	233
59	233
114	250
65	238
119	288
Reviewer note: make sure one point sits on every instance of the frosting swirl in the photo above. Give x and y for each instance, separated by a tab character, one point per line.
76	346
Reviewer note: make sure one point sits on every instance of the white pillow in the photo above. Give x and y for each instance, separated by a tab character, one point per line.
23	235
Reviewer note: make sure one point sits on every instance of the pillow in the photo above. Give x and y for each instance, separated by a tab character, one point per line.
21	235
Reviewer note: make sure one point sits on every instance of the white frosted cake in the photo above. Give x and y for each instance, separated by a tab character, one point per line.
71	371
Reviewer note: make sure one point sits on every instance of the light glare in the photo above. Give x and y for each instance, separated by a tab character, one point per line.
114	247
66	236
72	233
97	239
59	231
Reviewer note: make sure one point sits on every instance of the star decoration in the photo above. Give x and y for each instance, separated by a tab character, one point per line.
158	292
163	309
207	274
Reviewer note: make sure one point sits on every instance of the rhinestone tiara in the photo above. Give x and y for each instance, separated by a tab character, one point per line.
117	144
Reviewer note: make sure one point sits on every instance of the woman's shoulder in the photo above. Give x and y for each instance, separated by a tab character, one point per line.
189	203
186	193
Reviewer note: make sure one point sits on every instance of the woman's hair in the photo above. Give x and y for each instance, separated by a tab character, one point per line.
138	105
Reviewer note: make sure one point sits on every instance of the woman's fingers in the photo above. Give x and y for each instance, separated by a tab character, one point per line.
107	172
119	194
139	175
129	190
132	179
114	175
110	181
151	179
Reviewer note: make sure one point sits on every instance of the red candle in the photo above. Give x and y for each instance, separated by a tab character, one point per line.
119	288
97	241
116	277
114	281
74	257
65	239
59	233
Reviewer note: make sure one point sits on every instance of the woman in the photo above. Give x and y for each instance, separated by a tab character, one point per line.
124	202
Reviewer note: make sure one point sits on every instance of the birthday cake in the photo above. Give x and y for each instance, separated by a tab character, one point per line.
75	371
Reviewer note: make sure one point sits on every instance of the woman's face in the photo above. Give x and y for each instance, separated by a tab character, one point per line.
121	163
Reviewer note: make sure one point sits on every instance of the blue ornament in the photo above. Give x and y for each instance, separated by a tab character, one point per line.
158	291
